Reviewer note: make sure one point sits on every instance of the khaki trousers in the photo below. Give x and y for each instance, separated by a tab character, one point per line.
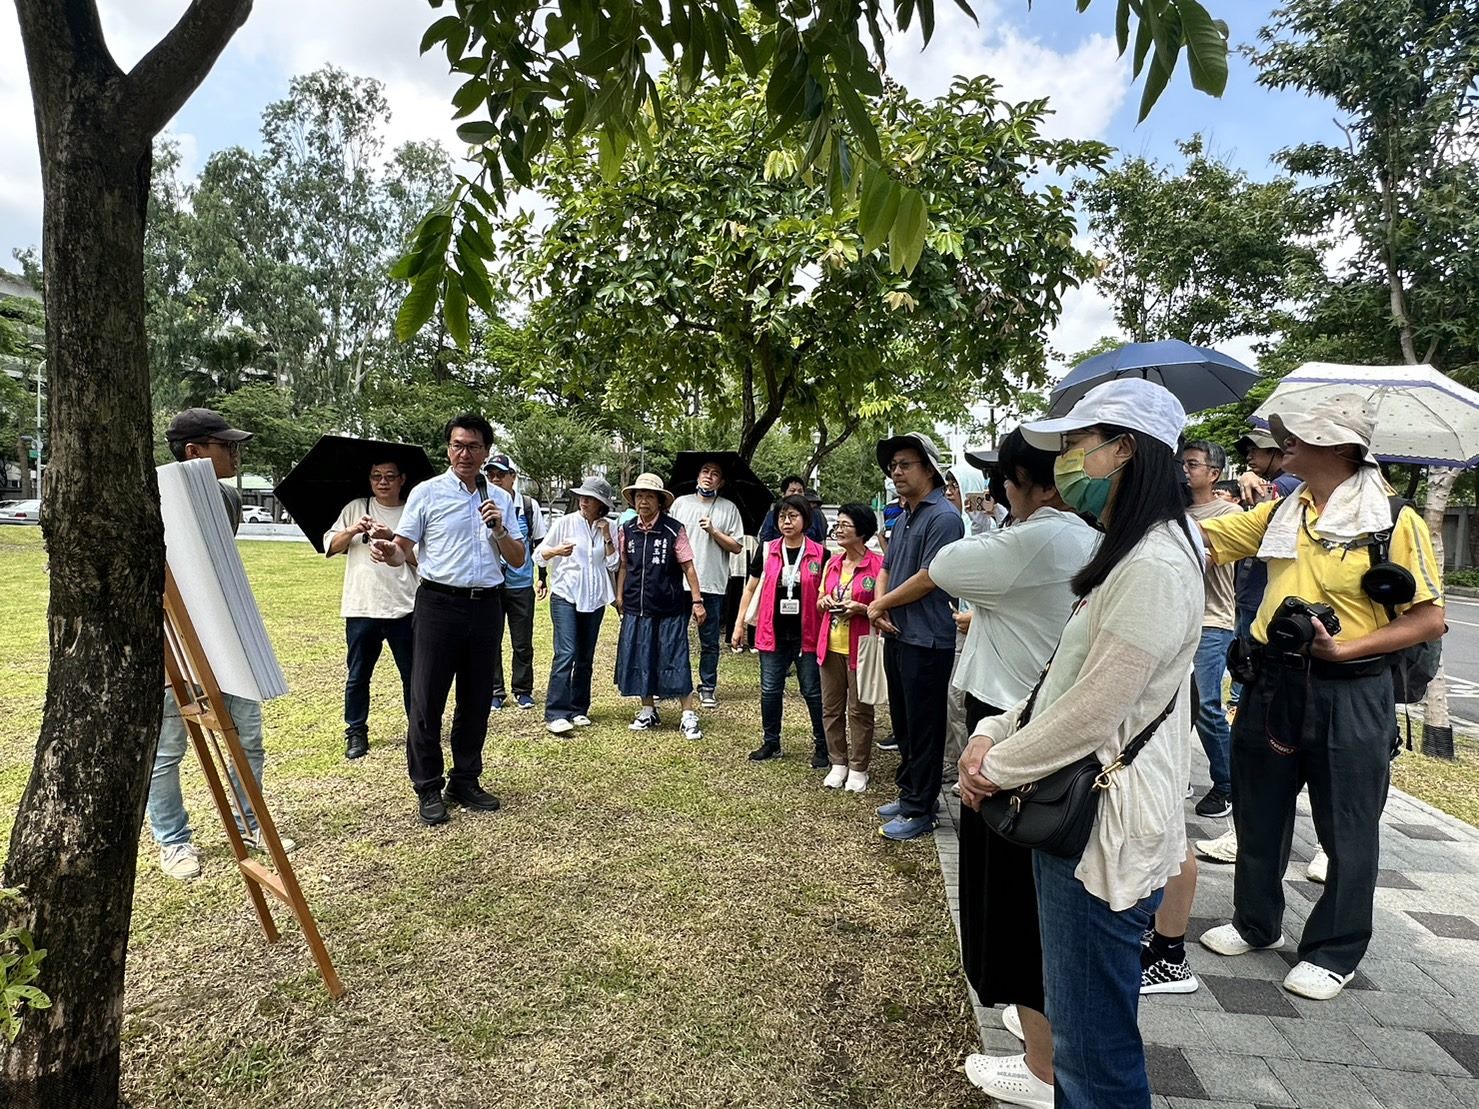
847	721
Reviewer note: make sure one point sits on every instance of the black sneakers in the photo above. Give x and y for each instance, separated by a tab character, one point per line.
470	795
888	743
356	745
432	809
820	759
765	751
1215	803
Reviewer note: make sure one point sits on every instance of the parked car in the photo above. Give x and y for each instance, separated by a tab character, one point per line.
255	514
21	512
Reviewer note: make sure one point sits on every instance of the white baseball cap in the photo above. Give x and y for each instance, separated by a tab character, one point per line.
1128	402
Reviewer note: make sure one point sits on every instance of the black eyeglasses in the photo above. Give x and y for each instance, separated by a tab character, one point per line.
379	479
902	464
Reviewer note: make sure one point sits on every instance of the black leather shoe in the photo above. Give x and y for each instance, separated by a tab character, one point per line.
820	760
472	796
766	751
356	745
432	809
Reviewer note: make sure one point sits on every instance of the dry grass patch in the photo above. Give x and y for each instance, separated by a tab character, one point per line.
649	922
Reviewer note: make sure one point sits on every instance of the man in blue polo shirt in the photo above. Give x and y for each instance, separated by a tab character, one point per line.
917	619
462	531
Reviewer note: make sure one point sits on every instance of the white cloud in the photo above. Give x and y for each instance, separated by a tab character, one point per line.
1085	87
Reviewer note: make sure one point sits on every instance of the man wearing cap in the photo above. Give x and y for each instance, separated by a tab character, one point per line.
715	531
518	591
378	600
462	532
1321	712
581	555
201	433
918	621
657	592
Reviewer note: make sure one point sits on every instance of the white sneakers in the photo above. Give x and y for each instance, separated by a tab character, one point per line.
1318	869
256	842
180	861
857	781
580	720
1223	849
1007	1079
561	726
836	777
1011	1020
1315	982
1225	939
646	720
689	726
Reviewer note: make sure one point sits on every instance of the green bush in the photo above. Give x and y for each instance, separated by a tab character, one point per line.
1469	579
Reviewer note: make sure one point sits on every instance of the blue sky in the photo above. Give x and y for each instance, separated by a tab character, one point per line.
1049	50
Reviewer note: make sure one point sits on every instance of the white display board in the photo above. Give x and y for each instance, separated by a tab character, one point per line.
201	550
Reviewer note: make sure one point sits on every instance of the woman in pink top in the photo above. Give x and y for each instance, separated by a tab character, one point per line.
787	572
848	585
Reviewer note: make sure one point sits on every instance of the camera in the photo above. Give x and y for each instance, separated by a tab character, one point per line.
1292	628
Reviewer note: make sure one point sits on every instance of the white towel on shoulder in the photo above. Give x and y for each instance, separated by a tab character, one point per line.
1358	507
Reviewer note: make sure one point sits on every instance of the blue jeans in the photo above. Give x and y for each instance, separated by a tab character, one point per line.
1245	629
1210	664
365	635
774	666
576	633
168	820
1091	979
708	642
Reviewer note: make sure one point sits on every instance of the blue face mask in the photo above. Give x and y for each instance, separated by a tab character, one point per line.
1078	489
702	492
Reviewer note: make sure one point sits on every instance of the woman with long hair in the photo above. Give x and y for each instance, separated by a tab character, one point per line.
849	583
1119	667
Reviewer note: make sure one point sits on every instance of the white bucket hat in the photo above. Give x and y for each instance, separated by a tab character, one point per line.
1344	419
1129	402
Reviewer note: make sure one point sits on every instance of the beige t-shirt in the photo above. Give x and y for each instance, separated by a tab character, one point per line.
1222	603
372	588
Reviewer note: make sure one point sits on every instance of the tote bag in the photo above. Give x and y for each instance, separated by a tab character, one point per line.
872	685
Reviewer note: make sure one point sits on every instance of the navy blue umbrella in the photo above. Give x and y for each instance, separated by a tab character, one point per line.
1200	377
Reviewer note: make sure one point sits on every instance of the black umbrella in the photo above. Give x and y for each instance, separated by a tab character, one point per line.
337	471
741	484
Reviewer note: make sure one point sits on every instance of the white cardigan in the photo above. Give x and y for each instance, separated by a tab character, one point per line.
1125	652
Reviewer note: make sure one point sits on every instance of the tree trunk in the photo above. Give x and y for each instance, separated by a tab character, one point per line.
1437	728
74	845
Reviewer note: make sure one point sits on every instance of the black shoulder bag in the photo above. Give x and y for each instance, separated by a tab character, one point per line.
1056	814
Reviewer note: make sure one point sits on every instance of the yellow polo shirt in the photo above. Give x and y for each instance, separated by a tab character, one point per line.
1321	575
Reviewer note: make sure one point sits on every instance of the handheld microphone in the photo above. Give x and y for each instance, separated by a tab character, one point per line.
483	495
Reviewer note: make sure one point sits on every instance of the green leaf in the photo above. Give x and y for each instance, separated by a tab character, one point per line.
906	238
858	118
1206	48
439	31
611	151
1156	78
470	97
475	281
454	311
1122	26
420	302
477	133
877	208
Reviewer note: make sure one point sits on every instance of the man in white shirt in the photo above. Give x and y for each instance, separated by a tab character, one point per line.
377	600
518	592
461	531
715	530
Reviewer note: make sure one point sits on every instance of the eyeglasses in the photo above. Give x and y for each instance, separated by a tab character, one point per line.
380	479
467	448
840	524
902	464
1195	466
233	446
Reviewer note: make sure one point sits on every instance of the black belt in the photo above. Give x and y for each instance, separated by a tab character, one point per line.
1323	668
471	593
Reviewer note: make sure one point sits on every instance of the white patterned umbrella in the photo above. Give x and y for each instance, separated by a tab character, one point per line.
1422	417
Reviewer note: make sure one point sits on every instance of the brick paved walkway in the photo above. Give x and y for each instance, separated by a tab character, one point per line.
1404	1033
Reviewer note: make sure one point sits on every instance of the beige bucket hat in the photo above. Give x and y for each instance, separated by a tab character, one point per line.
1345	418
647	483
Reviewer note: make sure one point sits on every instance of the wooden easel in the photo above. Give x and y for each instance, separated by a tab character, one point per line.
213	734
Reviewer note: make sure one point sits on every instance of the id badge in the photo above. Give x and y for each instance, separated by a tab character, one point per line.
790	607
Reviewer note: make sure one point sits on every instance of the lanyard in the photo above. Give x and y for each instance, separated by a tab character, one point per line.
791	573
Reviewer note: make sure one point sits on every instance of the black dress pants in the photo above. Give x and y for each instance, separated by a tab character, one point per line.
453	638
918	704
518	609
1334	735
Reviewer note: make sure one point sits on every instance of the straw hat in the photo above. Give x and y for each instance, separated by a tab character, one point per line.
647	483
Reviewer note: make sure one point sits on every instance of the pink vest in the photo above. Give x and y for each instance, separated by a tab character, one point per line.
863	589
813	556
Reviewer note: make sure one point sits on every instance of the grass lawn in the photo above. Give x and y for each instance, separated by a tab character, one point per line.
648	922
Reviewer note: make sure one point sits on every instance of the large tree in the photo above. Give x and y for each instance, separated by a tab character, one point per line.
1402	177
73	843
716	274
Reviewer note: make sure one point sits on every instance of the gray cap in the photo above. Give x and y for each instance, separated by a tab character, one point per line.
597	487
914	440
